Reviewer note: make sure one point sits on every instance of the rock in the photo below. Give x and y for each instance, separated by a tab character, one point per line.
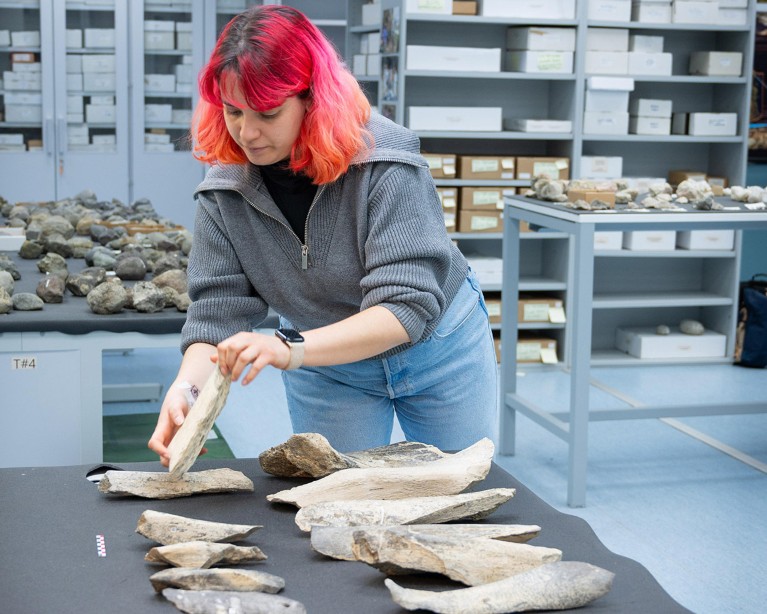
173	278
148	298
8	265
80	246
6	281
26	301
80	284
30	250
58	244
662	329
203	555
217	580
691	327
218	602
107	298
104	259
172	529
57	224
51	289
167	263
131	268
55	264
162	485
182	302
171	296
6	302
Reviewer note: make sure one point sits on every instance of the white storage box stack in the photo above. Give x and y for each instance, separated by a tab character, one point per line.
540	50
528	9
606	109
650	116
644	342
368	61
459	119
733	12
651	11
99	72
459	59
159	35
705	124
607	51
184	35
609	10
158	142
695	11
23	84
719	63
185	75
371	13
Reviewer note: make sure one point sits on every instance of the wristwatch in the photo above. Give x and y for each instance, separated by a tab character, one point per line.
295	342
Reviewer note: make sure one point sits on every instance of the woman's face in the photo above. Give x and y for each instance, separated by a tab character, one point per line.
265	137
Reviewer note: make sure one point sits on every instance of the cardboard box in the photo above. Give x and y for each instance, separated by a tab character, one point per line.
24	57
493	303
159	41
484	198
607	39
645	43
462	59
100	114
732	16
601	167
441	166
658	64
529	9
449	198
607	101
650	125
608	240
605	123
539	61
532	38
432	7
609	10
651	12
649	107
725	63
693	11
607	62
99	81
486	167
451	223
480	221
539	125
705	124
538	308
644	342
532	350
460	119
706	239
649	240
99	37
555	168
465	7
590	195
675	177
101	62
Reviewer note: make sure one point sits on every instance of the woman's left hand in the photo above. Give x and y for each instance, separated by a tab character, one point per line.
255	349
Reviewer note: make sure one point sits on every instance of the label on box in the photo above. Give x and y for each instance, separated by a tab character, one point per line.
528	352
482	222
535	312
484	166
546	168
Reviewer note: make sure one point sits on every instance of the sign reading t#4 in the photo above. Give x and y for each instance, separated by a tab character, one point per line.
23	363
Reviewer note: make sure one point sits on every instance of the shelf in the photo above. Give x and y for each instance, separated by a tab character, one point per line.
510	183
612	358
366	29
148	94
671	138
456	74
636	25
539	326
508	136
90	50
641	300
476	235
679	253
502	21
167	126
529	284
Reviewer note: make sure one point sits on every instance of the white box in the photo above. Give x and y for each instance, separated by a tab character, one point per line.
693	11
601	167
705	124
181	116
99	37
533	38
183	26
607	100
74	39
706	239
74	63
649	63
647	107
104	139
609	10
608	239
184	73
475	119
373	42
539	61
99	81
29	38
489	270
26	67
159	83
645	43
539	125
184	41
98	63
11	138
605	123
23	98
5	39
433	7
76	118
650	125
732	16
733	4
463	59
27	81
102	99
159	25
371	14
651	12
607	62
184	88
11	243
597	82
159	147
373	67
529	9
159	41
78	140
151	137
100	113
644	342
607	39
158	113
726	63
359	64
649	240
81	130
75	104
23	113
75	82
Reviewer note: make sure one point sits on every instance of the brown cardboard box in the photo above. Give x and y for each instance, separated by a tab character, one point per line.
442	166
486	167
480	221
484	198
718	184
556	168
589	195
676	177
465	7
449	198
529	350
23	57
493	304
536	309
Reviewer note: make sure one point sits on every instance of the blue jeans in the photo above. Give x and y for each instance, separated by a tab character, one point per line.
443	389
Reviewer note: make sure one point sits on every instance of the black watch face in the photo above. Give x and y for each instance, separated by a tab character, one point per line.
290	335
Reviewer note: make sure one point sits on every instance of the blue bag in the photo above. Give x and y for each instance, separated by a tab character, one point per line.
751	334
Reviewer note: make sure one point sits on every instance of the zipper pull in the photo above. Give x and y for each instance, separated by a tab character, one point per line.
304	257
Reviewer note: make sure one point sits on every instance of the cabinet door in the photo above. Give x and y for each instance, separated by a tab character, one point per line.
27	129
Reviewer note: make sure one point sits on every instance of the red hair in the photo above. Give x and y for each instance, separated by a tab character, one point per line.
272	53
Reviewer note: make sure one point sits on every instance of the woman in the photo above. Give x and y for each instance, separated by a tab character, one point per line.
328	214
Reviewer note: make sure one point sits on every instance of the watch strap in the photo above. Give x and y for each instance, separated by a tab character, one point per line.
296	355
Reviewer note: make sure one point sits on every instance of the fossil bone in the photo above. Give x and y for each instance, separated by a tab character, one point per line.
216	580
554	586
202	555
216	602
171	529
446	476
162	485
413	510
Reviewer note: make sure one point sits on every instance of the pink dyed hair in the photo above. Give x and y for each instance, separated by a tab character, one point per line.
273	53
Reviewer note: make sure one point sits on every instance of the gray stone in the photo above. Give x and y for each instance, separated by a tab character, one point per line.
662	329
57	224
8	265
173	278
80	246
162	485
165	529
26	301
19	212
107	298
104	259
131	268
80	284
171	296
691	327
51	289
30	250
166	263
182	302
55	264
148	298
217	579
6	281
217	602
203	555
58	244
6	302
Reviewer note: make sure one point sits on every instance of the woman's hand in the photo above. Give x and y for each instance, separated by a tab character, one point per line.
172	413
255	349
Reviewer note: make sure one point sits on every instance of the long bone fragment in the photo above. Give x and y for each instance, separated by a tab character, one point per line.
162	485
555	586
202	555
216	602
446	476
171	529
412	510
216	580
339	542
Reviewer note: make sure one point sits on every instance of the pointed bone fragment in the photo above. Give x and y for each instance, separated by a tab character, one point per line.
338	542
446	476
471	561
202	555
555	586
171	529
162	485
189	439
216	580
413	510
311	455
215	602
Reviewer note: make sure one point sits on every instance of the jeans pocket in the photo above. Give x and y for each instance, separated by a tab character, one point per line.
461	309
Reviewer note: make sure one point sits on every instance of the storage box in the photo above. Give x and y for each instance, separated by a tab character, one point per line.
706	239
371	14
158	113
99	81
373	68
433	7
488	269
651	12
5	38
159	41
649	107
536	350
448	197
644	342
23	113
705	124
640	63
659	126
609	10
463	59
465	7
75	82
531	38
591	195
539	125
159	83
675	177
469	119
539	308
359	64
725	63
693	11
607	101
601	167
529	9
101	62
28	38
451	224
480	221
486	167
74	63
607	39
493	303
732	16
607	62
23	98
555	168
605	123
11	239
100	113
539	61
649	240
441	166
608	240
74	104
99	37
484	198
184	41
645	43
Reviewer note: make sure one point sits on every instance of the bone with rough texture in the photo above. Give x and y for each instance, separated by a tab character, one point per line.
216	580
446	476
555	586
162	485
186	444
338	542
171	529
216	602
413	510
202	555
311	455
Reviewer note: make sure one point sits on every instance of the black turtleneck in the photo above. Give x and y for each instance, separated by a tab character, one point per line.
292	193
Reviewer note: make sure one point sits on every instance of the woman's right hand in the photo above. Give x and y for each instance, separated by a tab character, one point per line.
172	413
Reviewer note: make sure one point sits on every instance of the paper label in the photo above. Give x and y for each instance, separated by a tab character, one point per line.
528	351
484	222
538	312
489	197
557	315
546	168
484	166
23	363
548	356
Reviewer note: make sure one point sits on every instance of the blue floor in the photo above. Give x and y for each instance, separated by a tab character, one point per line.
695	516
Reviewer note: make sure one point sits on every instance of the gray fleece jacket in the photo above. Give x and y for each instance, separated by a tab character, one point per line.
375	236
